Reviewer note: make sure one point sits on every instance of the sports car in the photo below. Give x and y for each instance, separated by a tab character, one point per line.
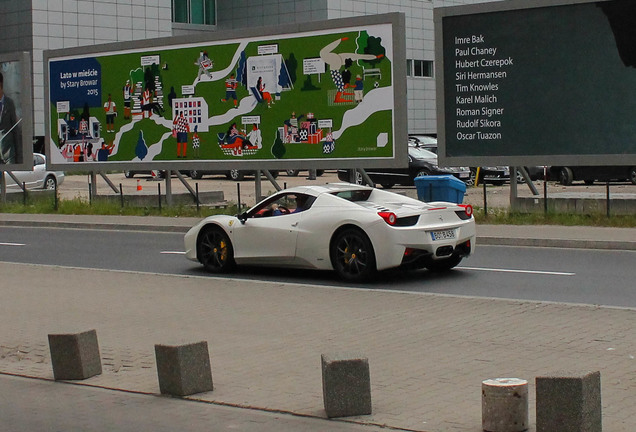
351	229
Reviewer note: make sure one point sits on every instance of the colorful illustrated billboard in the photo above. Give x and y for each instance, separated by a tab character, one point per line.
537	83
16	126
327	96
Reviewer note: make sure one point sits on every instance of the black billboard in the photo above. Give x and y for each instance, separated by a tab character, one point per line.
537	82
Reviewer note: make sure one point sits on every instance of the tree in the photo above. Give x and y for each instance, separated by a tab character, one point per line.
278	149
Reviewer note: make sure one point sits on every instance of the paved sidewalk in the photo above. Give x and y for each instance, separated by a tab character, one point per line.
428	353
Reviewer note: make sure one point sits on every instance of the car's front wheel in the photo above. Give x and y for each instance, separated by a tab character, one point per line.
129	174
632	175
352	255
292	172
235	175
196	175
215	251
566	176
423	173
442	265
50	183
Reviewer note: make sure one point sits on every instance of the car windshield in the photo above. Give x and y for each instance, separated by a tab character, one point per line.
421	153
426	140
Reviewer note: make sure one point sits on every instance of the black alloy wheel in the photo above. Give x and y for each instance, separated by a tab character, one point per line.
352	255
215	251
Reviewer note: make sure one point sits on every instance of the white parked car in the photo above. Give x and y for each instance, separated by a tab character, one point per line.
351	229
39	178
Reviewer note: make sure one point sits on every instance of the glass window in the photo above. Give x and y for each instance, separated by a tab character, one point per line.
180	11
419	68
198	13
210	12
194	11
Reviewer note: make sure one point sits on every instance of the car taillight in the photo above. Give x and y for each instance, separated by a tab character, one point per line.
388	217
468	209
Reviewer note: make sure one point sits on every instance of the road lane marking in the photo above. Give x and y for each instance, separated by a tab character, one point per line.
12	244
172	253
540	272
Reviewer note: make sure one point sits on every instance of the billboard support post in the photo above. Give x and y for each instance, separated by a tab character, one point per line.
168	178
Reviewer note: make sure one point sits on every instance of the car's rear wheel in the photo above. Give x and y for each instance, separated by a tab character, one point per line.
442	265
292	172
50	183
196	175
215	251
632	175
352	255
129	174
566	176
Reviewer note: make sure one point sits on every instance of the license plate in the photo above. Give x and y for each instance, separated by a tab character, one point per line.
443	234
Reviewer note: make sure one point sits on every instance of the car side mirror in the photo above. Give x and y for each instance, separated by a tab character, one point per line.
242	217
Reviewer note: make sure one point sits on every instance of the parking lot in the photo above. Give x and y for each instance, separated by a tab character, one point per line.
497	196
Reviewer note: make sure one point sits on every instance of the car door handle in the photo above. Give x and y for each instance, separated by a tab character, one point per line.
295	224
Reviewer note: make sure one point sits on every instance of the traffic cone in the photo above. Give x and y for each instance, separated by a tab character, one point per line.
139	185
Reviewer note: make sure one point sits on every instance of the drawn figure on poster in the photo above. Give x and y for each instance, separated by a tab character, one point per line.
83	127
148	105
235	140
196	142
358	89
111	112
337	60
263	96
255	137
127	92
182	128
205	65
104	152
230	90
9	136
291	128
329	145
146	100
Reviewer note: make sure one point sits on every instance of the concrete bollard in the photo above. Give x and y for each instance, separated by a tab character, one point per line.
504	405
569	402
346	385
75	356
184	369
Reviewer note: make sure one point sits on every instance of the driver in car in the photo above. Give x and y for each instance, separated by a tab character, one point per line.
301	200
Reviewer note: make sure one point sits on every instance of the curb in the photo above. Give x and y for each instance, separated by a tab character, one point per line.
560	243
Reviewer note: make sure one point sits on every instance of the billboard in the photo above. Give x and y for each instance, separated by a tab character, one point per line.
16	113
322	95
537	83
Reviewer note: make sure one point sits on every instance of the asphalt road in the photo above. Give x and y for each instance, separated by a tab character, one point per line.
543	274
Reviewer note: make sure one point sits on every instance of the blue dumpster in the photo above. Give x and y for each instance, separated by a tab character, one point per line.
440	188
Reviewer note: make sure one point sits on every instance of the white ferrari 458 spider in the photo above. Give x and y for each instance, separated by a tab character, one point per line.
353	230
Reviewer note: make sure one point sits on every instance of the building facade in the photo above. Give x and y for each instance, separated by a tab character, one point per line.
38	25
